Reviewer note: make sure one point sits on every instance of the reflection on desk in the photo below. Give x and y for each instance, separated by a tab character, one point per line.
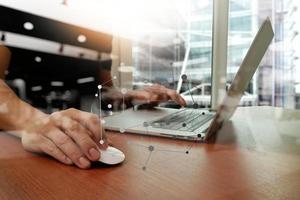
256	156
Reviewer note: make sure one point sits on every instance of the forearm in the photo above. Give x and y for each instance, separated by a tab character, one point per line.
15	114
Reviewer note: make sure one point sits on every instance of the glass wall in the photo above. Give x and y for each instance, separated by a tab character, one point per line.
160	56
242	29
275	82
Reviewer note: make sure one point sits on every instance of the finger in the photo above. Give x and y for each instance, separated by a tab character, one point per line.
81	137
68	147
140	96
175	96
156	94
48	147
162	97
154	98
181	100
90	121
41	144
154	89
157	87
171	94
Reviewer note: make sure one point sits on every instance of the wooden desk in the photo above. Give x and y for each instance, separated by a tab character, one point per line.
256	156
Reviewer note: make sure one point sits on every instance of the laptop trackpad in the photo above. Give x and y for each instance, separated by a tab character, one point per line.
131	118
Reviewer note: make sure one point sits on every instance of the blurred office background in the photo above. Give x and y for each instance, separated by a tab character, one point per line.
276	82
147	42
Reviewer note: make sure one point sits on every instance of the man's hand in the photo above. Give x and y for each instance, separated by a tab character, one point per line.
70	136
155	94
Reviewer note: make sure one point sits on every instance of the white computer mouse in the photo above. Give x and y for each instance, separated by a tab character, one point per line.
111	156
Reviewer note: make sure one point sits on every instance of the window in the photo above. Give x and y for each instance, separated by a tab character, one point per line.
275	82
159	56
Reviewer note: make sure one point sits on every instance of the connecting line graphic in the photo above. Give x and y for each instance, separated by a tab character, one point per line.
188	85
146	125
100	113
195	105
123	92
152	148
114	78
185	80
99	95
191	120
186	119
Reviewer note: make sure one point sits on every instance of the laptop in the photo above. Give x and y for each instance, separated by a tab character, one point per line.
195	124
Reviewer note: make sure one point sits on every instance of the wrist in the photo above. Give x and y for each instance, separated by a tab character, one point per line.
27	117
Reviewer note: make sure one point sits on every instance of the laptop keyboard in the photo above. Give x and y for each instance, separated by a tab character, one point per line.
183	120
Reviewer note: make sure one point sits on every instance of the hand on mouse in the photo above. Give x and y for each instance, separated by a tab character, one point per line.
70	136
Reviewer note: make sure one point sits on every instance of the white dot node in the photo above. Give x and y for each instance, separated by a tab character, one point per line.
99	87
122	130
109	106
123	91
101	141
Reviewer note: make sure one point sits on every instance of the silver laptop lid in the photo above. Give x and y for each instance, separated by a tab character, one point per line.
244	75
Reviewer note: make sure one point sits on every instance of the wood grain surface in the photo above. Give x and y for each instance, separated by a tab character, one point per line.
256	156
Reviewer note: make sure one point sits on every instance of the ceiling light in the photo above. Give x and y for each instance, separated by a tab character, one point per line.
81	38
28	26
36	88
57	83
38	59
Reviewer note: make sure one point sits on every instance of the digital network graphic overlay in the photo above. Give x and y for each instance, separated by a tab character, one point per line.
150	148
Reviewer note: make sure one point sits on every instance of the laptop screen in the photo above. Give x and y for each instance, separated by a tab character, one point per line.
245	73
